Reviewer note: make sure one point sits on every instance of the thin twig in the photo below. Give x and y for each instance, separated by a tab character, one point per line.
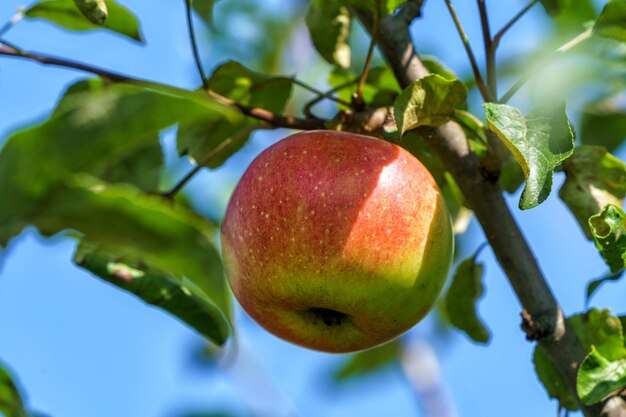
320	94
529	73
358	97
194	44
480	83
12	22
12	50
240	135
490	56
498	36
276	120
310	104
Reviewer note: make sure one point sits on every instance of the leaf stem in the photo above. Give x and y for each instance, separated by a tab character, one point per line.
577	40
358	96
480	83
194	44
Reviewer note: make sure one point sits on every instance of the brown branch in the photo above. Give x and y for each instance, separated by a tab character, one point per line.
276	120
489	52
486	199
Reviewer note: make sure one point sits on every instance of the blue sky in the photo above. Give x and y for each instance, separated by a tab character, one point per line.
82	348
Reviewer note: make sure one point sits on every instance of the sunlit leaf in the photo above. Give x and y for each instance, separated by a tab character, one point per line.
435	66
594	329
429	101
380	89
460	300
609	234
199	139
387	7
604	369
539	142
612	21
95	11
594	178
65	14
598	377
91	129
329	23
600	329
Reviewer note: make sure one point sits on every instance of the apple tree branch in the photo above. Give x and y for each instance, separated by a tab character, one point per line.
543	318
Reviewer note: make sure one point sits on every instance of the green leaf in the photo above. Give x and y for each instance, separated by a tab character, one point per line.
369	361
94	10
595	329
204	9
140	166
612	21
600	329
460	300
593	286
598	377
594	178
571	16
179	297
609	234
65	14
551	379
429	101
554	7
94	126
603	125
202	138
539	142
329	23
435	66
148	227
11	404
387	7
380	89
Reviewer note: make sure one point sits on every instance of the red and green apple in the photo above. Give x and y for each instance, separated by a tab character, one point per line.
336	241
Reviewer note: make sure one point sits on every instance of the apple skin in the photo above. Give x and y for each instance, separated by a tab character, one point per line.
335	241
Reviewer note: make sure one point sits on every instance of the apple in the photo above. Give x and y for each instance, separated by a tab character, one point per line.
335	241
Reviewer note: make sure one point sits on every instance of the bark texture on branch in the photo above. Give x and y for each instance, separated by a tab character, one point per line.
543	318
